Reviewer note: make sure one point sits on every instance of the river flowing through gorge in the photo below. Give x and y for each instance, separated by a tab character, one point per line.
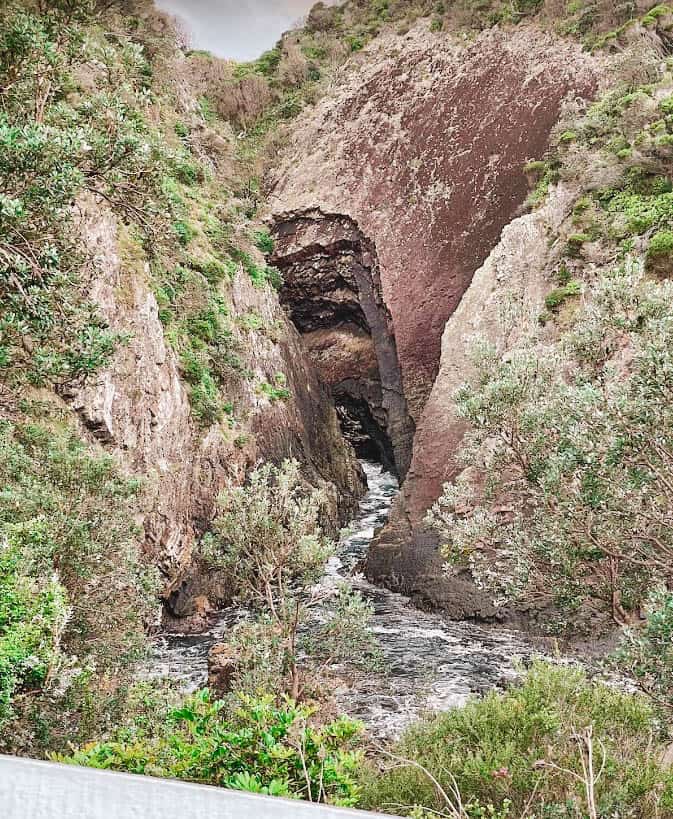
427	661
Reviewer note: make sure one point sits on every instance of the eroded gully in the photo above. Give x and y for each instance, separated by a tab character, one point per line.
428	662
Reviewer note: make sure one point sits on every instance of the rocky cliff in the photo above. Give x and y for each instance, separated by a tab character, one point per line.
138	407
411	169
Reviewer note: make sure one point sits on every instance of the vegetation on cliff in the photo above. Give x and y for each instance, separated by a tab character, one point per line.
573	430
90	124
573	426
74	596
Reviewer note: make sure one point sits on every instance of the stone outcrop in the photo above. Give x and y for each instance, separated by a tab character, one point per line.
138	408
421	149
422	146
505	295
332	289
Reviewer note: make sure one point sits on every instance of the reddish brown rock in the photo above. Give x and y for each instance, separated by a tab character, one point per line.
422	147
505	296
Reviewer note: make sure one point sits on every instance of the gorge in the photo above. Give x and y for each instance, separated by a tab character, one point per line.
339	380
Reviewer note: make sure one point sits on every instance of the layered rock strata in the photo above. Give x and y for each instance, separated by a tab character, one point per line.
332	291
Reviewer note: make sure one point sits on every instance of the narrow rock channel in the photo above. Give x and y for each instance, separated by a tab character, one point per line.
428	661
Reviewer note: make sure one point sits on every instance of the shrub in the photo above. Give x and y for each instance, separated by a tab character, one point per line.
267	537
72	586
646	653
575	242
660	250
184	232
267	534
274	392
55	147
560	295
277	750
33	614
567	456
264	241
526	752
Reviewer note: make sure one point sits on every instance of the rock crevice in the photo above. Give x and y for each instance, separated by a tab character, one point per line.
332	292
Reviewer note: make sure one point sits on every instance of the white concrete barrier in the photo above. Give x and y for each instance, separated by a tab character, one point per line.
43	790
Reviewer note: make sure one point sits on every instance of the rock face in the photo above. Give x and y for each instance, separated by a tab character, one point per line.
332	289
422	146
506	293
420	151
138	408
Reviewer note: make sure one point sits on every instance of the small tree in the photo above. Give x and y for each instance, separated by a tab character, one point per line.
267	537
576	441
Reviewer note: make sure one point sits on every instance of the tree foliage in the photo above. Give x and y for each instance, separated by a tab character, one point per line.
577	444
267	537
74	597
58	145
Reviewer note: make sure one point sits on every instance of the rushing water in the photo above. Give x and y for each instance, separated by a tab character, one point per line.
428	661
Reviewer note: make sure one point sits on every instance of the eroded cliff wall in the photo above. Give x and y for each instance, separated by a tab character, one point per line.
422	146
138	407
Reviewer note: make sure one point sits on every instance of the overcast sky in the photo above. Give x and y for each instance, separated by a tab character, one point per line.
238	29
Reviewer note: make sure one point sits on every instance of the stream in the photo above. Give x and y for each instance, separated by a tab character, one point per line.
428	662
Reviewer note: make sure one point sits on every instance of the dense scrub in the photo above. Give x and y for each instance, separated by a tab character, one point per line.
555	746
573	429
255	745
75	599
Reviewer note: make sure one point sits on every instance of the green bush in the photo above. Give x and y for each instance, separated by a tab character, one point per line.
72	583
660	247
575	242
569	450
261	747
560	295
184	231
33	614
264	241
523	753
646	653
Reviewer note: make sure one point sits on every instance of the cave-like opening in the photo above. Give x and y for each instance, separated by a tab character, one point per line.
332	293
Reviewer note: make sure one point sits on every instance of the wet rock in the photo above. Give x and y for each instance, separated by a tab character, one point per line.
332	291
223	664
